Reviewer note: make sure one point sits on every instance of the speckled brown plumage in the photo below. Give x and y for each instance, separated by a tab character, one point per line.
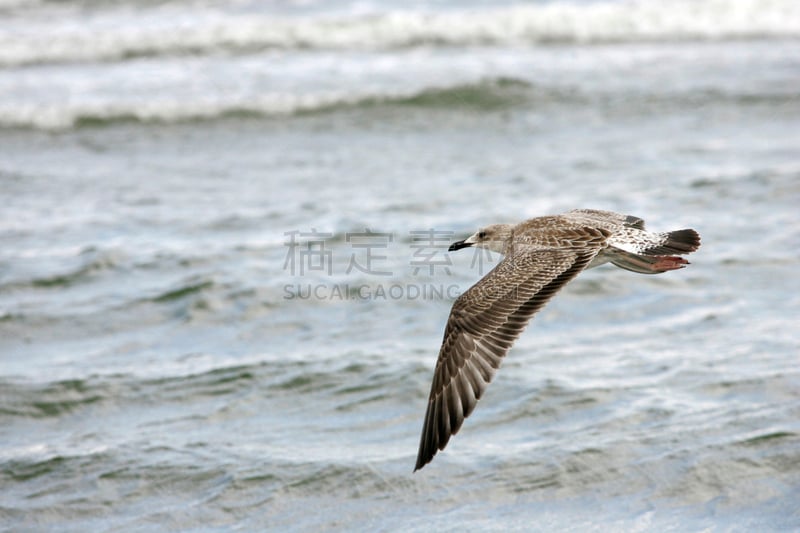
541	255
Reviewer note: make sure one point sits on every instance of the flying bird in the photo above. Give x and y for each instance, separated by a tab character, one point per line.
541	255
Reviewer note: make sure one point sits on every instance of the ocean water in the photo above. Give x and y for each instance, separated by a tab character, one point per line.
223	273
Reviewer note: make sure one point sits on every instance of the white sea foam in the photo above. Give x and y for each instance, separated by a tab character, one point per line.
120	33
180	89
170	90
171	110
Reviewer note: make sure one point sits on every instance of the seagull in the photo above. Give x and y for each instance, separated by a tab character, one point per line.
541	255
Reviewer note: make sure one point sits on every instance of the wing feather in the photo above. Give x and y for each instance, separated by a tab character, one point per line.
483	324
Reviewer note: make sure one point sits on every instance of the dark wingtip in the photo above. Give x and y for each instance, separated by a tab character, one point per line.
424	457
634	221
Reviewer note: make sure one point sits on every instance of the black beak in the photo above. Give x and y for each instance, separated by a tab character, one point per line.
459	245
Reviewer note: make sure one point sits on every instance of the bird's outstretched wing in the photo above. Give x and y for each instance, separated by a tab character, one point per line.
483	324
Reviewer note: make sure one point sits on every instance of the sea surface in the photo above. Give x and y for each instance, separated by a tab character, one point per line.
224	277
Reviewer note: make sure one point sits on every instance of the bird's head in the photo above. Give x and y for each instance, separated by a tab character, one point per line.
496	238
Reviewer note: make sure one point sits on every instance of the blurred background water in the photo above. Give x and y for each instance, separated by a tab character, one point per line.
169	360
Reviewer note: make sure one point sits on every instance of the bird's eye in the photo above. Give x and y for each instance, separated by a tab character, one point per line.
482	235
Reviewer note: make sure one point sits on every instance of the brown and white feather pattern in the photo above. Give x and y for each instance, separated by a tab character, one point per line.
542	255
486	320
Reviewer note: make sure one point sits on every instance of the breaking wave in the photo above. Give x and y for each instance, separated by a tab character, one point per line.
118	34
485	95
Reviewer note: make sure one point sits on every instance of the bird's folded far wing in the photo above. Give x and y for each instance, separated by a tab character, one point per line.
598	216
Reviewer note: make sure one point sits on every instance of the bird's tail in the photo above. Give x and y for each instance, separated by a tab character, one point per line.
652	256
